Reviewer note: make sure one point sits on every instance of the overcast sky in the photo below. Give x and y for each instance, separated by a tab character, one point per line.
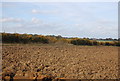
69	19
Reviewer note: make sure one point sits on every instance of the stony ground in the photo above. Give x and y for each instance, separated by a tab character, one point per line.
61	61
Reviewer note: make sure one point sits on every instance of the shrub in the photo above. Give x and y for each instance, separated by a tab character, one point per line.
81	42
95	42
110	44
117	43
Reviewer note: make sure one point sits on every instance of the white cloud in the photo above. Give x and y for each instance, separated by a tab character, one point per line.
78	25
10	19
34	11
36	20
44	11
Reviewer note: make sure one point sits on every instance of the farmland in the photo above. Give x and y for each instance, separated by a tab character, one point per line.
61	61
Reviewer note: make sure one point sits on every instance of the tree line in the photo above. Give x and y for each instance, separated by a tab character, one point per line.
30	38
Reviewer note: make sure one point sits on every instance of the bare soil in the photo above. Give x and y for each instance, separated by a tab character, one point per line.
61	61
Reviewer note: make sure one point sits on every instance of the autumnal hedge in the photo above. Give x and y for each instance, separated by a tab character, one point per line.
94	42
84	42
30	38
23	38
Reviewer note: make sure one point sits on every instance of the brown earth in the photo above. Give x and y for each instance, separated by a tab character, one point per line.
60	61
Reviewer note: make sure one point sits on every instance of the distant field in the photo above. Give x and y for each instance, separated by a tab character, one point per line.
61	61
105	41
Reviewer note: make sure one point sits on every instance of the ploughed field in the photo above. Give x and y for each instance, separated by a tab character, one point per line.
61	61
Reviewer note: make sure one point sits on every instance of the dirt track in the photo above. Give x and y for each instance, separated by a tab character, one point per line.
68	61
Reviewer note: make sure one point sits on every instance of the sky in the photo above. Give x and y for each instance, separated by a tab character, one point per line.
68	19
